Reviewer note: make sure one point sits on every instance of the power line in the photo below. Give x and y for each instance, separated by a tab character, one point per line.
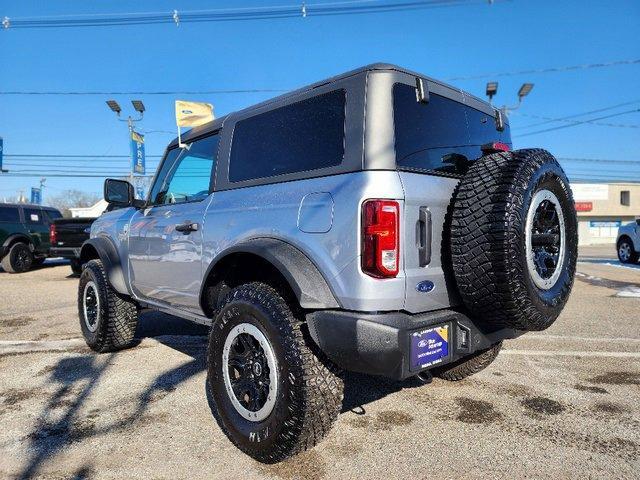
575	115
596	160
576	123
548	70
283	90
354	7
63	155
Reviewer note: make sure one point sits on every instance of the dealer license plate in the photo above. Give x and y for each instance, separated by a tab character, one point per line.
429	347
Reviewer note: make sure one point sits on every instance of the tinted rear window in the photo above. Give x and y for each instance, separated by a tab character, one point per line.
9	214
303	136
439	135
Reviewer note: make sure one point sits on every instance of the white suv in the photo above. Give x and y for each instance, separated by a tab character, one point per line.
628	243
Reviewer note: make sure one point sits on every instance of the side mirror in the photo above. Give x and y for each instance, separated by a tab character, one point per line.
638	221
118	192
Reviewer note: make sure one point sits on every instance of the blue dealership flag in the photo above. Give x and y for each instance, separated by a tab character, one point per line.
36	196
137	153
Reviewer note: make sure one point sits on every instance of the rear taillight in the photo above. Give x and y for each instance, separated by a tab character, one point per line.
53	235
495	147
380	238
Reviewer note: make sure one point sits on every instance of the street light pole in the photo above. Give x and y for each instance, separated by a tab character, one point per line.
492	89
138	107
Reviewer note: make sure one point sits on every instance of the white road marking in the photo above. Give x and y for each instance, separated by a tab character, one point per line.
530	336
607	261
629	292
570	353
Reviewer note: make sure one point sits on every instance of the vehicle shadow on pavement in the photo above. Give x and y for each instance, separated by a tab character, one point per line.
63	420
61	423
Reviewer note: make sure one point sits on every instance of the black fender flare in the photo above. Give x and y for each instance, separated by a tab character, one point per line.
304	277
22	237
108	254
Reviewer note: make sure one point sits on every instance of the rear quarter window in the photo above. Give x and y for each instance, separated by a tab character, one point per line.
9	215
441	135
304	136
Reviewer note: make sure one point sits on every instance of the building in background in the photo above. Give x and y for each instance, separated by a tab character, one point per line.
89	212
603	207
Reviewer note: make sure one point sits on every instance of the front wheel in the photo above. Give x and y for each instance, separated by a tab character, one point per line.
469	365
76	266
274	394
626	252
107	319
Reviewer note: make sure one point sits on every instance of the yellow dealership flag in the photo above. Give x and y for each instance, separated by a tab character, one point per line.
192	114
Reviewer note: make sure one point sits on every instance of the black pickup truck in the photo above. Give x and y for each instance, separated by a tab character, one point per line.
67	236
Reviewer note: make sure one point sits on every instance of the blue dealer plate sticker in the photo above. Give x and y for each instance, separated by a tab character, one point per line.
429	347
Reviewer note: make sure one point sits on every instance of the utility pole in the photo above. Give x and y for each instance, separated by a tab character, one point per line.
138	106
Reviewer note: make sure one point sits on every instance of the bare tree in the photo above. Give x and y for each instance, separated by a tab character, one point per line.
72	199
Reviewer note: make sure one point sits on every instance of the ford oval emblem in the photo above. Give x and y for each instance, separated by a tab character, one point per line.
425	286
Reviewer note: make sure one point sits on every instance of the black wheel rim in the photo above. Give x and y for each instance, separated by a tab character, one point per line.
545	239
22	259
91	306
249	372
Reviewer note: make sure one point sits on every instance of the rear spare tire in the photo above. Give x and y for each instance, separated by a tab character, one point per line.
514	239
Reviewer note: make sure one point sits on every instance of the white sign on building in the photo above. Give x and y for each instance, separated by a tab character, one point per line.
590	191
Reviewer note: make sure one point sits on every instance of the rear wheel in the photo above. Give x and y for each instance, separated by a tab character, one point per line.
274	394
107	319
626	252
468	365
18	259
514	239
76	266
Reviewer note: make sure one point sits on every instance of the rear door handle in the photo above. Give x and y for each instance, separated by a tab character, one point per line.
187	227
424	237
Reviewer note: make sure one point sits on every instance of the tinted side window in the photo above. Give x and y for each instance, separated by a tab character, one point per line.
186	173
482	129
51	215
435	136
303	136
9	214
33	215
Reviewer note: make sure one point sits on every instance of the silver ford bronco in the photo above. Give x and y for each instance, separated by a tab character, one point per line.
377	222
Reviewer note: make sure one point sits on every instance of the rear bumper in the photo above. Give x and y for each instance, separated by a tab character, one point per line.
65	252
380	343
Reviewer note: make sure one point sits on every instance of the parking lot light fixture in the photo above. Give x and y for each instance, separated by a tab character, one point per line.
113	105
492	89
524	90
138	106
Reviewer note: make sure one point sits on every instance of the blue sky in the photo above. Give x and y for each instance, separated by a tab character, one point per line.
462	40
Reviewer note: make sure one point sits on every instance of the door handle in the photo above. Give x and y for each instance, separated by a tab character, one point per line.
187	227
424	237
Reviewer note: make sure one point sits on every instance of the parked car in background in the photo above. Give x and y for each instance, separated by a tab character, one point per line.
628	243
66	236
24	235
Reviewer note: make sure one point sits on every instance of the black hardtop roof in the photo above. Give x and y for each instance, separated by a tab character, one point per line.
381	66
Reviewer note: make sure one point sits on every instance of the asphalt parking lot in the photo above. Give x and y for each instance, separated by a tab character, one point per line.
564	403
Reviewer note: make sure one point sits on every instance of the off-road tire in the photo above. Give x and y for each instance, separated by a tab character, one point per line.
309	388
489	244
76	266
118	316
469	365
633	255
18	259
